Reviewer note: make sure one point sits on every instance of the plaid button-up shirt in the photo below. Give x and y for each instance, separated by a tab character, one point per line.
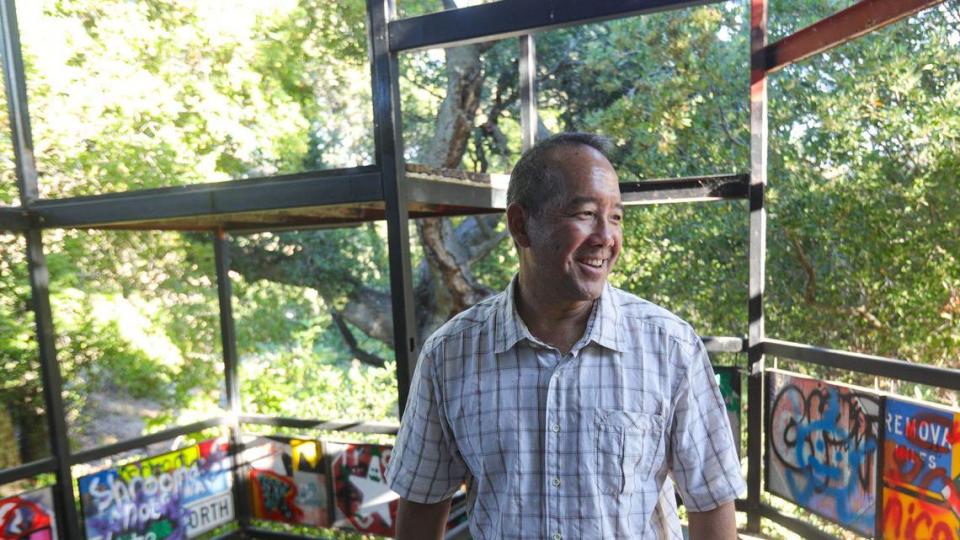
575	446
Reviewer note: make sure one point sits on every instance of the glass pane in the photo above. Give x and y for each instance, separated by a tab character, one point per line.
864	200
785	17
314	331
412	8
127	95
23	423
9	194
690	259
667	88
138	332
461	107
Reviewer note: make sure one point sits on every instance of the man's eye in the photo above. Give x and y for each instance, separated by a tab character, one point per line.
586	214
616	218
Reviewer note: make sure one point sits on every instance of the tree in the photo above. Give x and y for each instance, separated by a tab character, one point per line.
864	146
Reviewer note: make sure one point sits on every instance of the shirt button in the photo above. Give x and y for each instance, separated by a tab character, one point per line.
557	536
556	428
556	481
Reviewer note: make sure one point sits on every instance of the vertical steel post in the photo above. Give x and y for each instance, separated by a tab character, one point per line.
528	90
26	171
228	339
388	139
758	250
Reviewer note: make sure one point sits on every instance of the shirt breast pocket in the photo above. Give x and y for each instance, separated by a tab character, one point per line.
629	448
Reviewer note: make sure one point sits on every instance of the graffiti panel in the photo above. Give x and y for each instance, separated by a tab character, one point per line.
728	379
822	449
363	501
173	496
287	481
921	471
28	516
909	517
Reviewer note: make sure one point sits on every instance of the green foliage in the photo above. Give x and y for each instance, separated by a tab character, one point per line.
659	86
293	362
863	221
863	195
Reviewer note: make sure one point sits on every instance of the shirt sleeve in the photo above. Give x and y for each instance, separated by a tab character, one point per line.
704	461
425	465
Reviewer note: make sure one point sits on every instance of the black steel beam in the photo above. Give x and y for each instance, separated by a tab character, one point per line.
857	20
144	441
17	109
27	470
690	189
267	534
511	18
865	363
228	341
228	333
757	264
14	219
724	344
528	91
805	530
11	57
458	194
261	194
388	139
323	425
52	383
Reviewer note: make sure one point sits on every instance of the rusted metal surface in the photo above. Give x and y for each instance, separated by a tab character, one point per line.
859	19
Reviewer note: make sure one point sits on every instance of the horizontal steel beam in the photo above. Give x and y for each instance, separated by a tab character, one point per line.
329	199
859	19
510	18
14	219
455	195
865	363
724	344
27	470
142	442
690	189
324	425
341	187
267	534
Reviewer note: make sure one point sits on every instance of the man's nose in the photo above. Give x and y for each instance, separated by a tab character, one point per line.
604	232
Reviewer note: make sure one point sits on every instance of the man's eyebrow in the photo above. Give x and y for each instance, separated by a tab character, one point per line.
580	201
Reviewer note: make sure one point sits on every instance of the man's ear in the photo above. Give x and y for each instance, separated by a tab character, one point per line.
517	219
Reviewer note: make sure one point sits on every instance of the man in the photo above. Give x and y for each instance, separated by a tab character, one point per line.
566	400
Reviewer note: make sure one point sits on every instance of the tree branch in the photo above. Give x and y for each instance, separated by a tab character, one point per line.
351	342
810	291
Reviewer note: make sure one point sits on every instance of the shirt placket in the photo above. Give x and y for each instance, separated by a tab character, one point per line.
553	434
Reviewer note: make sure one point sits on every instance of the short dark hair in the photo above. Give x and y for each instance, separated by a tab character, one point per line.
533	182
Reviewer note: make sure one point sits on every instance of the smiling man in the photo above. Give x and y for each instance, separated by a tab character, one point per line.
569	403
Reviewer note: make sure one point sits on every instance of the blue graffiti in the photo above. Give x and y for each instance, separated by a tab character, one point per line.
828	450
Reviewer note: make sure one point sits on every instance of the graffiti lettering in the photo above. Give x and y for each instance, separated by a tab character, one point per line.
28	516
19	517
151	499
824	450
287	482
905	516
278	495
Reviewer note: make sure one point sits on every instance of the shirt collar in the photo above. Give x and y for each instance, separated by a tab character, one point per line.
602	326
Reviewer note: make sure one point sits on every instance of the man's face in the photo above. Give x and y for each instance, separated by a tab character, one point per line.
575	242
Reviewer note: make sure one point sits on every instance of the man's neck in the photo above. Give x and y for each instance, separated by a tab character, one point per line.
556	323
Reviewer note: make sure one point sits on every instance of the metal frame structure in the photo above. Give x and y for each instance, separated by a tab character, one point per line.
385	191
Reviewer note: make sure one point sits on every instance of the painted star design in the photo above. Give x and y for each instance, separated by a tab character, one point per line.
376	495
